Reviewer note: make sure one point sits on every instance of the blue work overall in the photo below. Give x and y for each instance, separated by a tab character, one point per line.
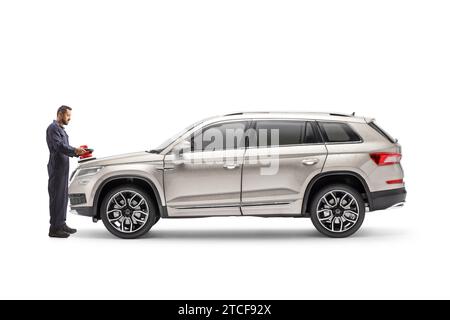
58	173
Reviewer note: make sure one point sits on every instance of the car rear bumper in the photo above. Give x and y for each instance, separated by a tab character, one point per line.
386	199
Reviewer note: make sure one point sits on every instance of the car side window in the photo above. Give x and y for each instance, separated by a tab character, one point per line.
338	132
285	132
220	136
279	132
311	133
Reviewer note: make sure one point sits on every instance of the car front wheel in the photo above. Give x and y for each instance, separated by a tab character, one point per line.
128	212
337	211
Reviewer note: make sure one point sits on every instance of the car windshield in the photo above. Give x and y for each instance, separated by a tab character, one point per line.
166	143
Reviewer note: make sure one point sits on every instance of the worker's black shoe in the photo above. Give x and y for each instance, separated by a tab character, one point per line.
68	230
58	233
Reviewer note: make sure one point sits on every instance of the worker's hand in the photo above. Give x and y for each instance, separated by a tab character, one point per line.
80	151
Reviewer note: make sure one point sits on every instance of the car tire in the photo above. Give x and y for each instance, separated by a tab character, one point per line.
128	212
337	211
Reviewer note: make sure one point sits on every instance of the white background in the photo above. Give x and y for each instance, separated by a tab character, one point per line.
135	72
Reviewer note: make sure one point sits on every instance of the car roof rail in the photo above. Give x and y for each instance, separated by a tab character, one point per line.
336	114
342	114
248	112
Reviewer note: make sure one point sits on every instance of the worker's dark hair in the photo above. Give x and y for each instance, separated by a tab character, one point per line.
63	109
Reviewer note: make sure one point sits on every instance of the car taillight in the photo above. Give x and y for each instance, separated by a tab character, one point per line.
386	158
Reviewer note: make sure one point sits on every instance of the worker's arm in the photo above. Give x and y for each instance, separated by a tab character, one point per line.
60	145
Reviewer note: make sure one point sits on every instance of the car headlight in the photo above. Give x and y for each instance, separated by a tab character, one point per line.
88	171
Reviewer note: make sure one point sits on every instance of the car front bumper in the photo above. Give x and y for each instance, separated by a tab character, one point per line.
83	211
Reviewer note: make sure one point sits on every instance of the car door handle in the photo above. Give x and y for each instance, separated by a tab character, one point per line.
310	162
230	166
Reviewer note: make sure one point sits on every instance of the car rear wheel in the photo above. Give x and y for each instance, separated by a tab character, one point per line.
337	211
128	212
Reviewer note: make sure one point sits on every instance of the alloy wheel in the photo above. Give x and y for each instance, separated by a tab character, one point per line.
338	211
127	211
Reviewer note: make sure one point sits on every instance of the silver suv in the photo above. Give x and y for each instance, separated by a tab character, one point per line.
329	167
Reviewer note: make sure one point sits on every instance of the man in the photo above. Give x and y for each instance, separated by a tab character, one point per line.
58	172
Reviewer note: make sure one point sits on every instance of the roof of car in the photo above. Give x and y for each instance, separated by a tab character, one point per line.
298	115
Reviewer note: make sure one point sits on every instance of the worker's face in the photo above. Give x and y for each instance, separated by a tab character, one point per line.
64	117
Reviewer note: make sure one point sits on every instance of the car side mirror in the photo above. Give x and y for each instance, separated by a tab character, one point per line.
181	148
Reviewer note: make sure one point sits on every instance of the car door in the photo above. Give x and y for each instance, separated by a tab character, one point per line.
206	180
278	167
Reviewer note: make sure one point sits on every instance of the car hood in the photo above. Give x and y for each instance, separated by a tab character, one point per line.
133	157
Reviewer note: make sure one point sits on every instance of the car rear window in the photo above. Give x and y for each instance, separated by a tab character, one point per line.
338	132
381	131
